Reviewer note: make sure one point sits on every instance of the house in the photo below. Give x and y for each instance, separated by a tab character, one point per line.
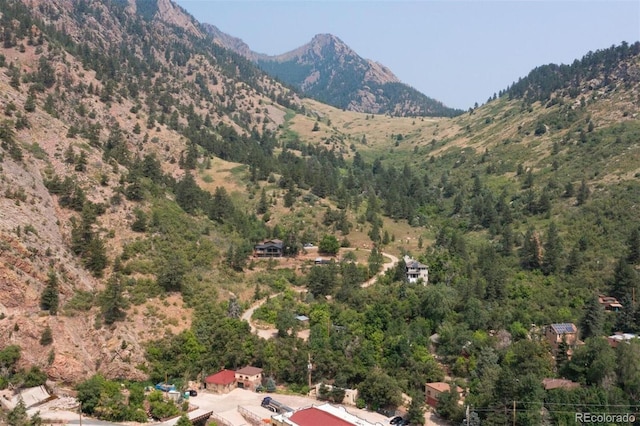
221	382
248	377
433	391
609	303
615	340
562	332
416	271
31	397
550	384
320	415
350	395
269	248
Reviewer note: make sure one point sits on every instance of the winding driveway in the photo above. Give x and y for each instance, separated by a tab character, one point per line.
270	333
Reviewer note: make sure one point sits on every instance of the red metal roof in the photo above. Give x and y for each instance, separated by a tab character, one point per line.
315	417
223	377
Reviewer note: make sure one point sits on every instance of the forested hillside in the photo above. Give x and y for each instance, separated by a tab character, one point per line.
141	163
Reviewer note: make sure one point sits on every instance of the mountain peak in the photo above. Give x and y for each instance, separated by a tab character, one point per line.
327	69
319	46
325	39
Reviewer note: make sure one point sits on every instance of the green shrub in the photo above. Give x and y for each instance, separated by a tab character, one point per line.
47	336
81	301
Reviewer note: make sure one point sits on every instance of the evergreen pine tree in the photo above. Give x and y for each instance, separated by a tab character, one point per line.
562	355
552	251
531	251
625	279
569	190
81	162
95	256
221	206
633	247
47	336
140	223
375	261
592	320
583	193
188	194
49	298
374	233
112	302
506	240
574	261
171	272
626	318
263	205
69	155
289	198
30	103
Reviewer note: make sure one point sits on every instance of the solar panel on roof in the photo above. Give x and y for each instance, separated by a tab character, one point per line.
563	328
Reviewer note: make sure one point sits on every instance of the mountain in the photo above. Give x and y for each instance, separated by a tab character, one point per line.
232	43
328	70
140	163
92	91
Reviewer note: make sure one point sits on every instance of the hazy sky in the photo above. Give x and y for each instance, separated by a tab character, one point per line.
459	52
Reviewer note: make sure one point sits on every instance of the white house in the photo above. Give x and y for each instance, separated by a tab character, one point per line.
416	271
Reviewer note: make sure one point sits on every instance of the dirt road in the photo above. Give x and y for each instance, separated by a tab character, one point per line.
269	333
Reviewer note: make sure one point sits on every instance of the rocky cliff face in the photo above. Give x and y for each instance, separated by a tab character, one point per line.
74	77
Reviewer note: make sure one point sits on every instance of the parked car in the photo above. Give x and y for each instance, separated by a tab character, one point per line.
193	392
396	420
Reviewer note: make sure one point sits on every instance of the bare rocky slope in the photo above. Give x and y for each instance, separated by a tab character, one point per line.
82	78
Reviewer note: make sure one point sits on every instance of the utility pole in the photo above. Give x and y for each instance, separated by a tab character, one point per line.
309	368
514	412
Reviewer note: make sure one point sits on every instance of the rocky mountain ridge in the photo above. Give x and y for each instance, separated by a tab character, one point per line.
327	69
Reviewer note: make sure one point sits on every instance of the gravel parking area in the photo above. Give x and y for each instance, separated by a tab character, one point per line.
226	406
